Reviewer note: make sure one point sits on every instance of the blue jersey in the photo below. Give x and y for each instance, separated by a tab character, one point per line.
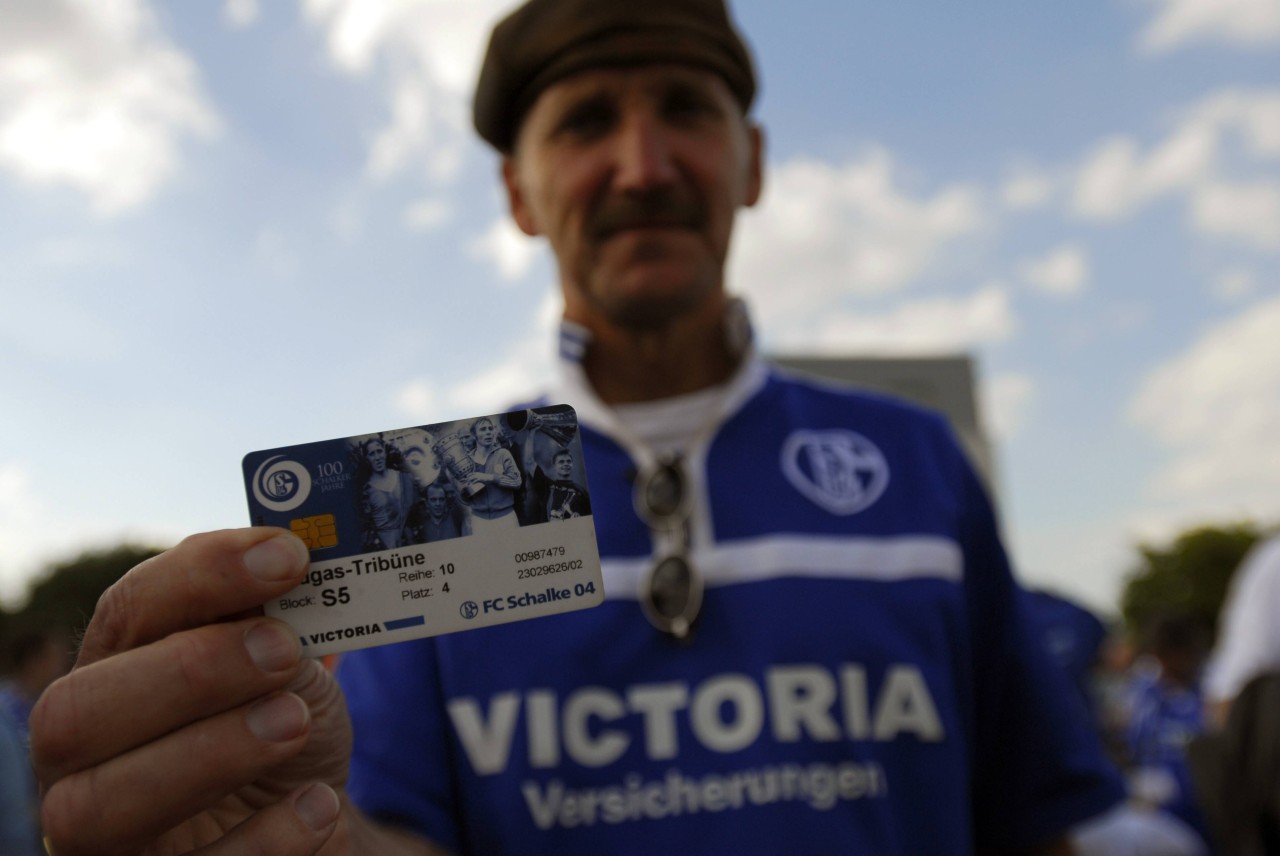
1074	637
864	677
1163	721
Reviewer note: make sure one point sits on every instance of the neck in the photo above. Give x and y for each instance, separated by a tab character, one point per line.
685	355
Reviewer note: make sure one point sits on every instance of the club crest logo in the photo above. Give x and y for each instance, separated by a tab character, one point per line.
281	484
838	470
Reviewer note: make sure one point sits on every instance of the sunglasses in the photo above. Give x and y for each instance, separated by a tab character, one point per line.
672	593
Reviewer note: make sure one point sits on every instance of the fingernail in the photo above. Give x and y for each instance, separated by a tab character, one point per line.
277	558
279	718
272	647
317	806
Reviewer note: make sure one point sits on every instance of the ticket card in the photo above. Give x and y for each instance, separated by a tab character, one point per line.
431	529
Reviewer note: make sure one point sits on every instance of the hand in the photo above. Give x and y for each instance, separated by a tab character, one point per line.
190	720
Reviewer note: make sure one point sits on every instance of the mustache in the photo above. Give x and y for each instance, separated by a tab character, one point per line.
663	208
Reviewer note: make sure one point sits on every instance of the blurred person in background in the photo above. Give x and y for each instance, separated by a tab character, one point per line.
1166	714
1249	630
1099	663
36	658
1236	766
19	805
1075	637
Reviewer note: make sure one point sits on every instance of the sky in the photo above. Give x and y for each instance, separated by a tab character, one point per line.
231	225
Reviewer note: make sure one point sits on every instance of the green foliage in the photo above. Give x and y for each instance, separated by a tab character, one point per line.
65	596
1188	577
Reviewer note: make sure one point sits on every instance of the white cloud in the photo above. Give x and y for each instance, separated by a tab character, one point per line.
427	214
1252	114
1117	178
430	51
1249	213
94	96
509	249
1234	284
1238	22
1217	409
932	326
825	232
415	114
241	13
525	369
1220	159
419	399
1027	189
1064	271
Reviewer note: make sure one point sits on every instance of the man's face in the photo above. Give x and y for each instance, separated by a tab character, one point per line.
563	465
436	502
634	175
377	456
484	433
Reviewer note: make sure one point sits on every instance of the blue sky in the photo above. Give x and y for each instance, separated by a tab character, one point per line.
234	225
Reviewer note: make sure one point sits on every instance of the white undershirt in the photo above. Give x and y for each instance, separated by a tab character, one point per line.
672	425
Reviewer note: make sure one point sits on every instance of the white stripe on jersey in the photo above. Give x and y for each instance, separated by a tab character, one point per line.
823	556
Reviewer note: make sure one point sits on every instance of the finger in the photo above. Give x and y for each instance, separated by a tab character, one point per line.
205	578
296	826
138	796
117	704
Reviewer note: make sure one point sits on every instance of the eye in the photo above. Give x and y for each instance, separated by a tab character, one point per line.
588	119
684	104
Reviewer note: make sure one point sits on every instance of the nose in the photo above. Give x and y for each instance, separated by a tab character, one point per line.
644	154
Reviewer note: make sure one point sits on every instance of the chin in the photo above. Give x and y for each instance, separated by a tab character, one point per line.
654	296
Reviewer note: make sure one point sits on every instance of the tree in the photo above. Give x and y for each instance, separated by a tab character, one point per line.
66	595
1188	577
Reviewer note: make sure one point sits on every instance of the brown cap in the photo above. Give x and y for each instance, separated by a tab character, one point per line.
546	40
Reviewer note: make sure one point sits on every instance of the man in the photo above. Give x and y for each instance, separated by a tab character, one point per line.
557	497
860	675
493	505
443	519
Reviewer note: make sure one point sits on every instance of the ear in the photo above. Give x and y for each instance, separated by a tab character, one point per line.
755	165
516	200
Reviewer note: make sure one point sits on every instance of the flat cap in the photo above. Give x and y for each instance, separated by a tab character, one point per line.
546	40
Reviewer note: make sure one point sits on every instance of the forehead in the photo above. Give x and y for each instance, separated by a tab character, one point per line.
649	81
